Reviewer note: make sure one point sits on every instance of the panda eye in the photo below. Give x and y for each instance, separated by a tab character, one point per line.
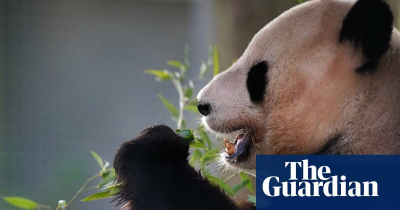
257	81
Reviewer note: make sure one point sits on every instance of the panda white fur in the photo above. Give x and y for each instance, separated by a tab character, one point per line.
322	78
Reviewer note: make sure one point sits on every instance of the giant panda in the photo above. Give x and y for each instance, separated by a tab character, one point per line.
322	78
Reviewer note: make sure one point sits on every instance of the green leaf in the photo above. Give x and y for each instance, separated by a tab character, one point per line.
239	186
209	156
252	199
22	203
204	137
300	1
216	61
98	159
197	145
115	190
187	91
187	134
160	74
97	196
176	64
193	102
203	70
170	107
108	180
196	155
221	184
249	185
105	174
113	186
179	65
183	126
191	108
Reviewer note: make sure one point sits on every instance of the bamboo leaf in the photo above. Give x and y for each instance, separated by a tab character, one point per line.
249	185
209	156
196	155
170	107
20	202
188	91
104	174
160	74
179	65
187	134
114	191
197	145
97	196
193	102
252	199
174	63
204	137
98	159
183	126
108	180
239	186
113	186
221	184
191	108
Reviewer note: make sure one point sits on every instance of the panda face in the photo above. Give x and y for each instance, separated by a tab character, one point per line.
291	91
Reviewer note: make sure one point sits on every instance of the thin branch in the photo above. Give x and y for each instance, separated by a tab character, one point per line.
201	168
83	187
182	102
211	172
90	188
230	177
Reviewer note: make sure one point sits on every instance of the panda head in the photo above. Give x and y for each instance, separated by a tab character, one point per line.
297	83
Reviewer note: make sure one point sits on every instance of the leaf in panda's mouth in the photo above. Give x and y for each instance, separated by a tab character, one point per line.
239	147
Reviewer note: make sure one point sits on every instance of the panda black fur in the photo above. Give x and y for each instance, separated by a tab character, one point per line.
155	173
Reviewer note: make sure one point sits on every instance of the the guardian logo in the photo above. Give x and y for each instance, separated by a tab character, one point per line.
316	182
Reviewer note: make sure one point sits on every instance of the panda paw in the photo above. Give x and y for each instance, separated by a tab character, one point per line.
156	144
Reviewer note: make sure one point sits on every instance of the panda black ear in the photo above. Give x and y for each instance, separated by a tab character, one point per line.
368	26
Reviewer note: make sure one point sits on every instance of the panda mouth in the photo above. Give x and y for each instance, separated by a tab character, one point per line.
240	148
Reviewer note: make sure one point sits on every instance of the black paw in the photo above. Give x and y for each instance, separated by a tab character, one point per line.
154	145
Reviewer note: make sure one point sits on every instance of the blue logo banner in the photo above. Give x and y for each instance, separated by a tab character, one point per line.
328	182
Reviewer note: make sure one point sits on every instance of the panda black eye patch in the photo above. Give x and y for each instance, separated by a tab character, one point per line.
257	81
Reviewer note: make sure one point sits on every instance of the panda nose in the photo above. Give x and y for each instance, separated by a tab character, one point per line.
204	108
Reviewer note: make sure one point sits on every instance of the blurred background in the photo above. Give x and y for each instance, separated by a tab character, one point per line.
71	79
